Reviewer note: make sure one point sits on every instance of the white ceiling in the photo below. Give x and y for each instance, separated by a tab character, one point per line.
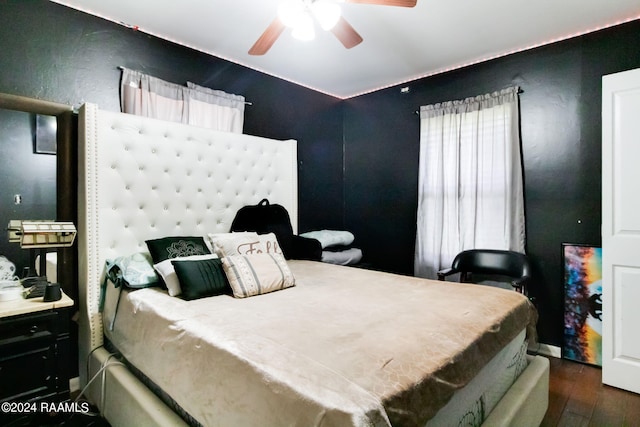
400	44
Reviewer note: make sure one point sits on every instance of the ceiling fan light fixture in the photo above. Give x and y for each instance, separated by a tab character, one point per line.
327	14
300	16
291	12
304	29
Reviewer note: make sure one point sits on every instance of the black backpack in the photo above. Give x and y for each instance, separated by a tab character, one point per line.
266	218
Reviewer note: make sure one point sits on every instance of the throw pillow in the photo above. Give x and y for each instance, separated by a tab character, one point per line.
168	273
244	243
251	275
174	247
200	278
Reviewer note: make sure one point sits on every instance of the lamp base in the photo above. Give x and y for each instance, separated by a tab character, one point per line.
52	292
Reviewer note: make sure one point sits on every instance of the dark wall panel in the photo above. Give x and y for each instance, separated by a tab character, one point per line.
561	143
381	172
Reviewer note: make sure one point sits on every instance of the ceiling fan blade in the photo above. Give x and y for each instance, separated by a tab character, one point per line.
346	34
401	3
268	38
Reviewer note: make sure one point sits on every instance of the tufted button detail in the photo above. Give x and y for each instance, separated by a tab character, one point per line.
219	174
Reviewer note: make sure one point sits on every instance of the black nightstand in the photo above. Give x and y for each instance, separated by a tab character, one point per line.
34	350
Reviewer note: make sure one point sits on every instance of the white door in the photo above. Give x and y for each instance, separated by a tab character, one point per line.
621	230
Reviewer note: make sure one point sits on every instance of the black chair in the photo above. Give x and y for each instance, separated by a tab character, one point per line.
494	263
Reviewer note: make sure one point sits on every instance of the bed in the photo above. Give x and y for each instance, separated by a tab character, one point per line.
372	359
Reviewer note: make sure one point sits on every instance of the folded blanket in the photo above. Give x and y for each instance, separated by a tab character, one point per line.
347	257
338	248
330	237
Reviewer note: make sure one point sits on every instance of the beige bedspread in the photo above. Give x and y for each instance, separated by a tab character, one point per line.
345	346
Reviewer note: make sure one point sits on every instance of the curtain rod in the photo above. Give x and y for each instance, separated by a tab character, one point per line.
121	67
517	88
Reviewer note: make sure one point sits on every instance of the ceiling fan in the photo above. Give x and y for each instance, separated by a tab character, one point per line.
300	15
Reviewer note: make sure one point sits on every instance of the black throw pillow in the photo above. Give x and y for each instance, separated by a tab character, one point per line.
173	247
201	278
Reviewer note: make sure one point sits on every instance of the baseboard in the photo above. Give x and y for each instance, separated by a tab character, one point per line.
549	350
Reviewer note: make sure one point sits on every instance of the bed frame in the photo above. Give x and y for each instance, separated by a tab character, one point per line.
141	178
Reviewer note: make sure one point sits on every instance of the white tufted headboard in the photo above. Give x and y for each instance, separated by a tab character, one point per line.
142	178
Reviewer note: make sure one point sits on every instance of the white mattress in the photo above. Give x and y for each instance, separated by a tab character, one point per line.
472	404
143	333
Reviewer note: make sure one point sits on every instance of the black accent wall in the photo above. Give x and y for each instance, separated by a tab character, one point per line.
58	54
359	157
560	122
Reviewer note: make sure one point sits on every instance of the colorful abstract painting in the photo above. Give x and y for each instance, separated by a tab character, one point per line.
582	303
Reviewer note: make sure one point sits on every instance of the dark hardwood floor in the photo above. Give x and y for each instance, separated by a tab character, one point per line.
577	397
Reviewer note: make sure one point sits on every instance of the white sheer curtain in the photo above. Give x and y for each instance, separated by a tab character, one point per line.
149	96
470	189
214	109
